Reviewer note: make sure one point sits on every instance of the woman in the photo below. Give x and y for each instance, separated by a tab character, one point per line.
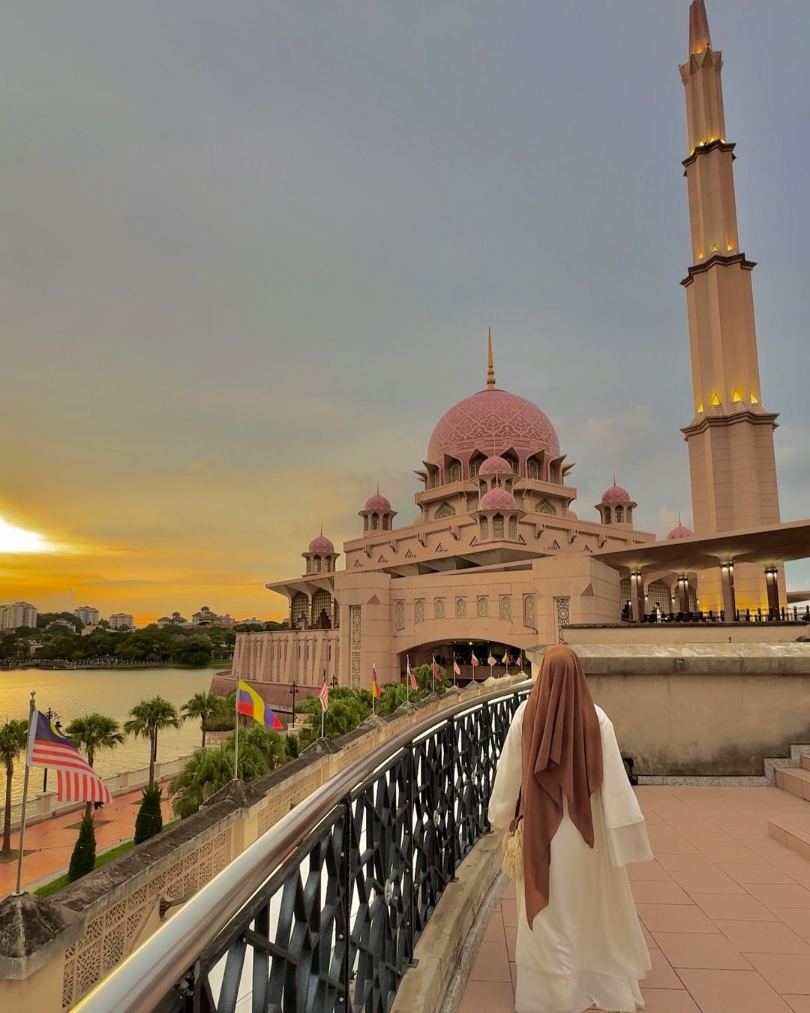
579	942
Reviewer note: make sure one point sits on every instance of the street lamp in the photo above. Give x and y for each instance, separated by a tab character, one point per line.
334	682
293	690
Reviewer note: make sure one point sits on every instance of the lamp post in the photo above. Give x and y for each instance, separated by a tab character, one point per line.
293	690
334	682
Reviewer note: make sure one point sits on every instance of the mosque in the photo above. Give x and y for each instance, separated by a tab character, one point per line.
497	561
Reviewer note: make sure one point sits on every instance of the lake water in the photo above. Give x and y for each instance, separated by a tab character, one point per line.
111	691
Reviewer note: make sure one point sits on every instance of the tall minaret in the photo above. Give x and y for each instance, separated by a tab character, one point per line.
730	438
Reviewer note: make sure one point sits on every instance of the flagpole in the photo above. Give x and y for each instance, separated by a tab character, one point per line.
323	712
407	678
31	710
236	735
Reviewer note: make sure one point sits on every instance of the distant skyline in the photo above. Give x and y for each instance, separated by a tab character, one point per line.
251	254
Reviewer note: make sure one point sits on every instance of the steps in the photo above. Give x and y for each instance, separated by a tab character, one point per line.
793	831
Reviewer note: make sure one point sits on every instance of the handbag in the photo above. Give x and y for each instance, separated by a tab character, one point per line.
512	847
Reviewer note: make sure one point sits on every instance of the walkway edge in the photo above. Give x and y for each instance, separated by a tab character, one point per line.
447	948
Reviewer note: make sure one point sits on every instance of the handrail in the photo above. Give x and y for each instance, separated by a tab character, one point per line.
139	983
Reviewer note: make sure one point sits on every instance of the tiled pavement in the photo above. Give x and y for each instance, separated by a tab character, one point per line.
725	910
51	842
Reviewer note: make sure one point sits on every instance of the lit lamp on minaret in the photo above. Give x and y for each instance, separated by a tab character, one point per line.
730	437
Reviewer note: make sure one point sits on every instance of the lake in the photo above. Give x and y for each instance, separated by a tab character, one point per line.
111	691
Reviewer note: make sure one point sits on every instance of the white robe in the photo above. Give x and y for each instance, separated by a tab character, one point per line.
586	947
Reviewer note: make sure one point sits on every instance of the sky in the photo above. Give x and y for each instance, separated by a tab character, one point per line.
251	251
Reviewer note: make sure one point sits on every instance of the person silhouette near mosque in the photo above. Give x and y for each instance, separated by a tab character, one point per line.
560	775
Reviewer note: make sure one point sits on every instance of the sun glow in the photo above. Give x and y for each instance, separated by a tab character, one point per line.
14	539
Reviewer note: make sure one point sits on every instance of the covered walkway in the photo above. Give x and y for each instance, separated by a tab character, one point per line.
725	909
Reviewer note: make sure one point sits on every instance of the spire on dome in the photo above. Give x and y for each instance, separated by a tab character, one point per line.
490	363
699	37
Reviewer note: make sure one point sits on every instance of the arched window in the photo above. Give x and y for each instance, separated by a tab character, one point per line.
484	528
475	464
375	522
619	515
497	526
445	510
299	610
533	468
512	458
316	564
607	515
544	507
513	528
454	472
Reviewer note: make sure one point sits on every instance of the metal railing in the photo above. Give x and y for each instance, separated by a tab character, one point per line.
323	912
791	614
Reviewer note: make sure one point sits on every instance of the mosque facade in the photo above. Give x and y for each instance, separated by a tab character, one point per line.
497	560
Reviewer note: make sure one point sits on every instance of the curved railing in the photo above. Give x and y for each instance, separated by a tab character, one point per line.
323	912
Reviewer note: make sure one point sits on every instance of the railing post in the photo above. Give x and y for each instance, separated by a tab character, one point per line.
451	822
346	872
411	901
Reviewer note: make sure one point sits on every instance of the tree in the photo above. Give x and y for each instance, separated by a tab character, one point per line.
424	678
83	859
394	694
93	732
347	709
203	706
204	773
149	717
13	739
193	651
149	820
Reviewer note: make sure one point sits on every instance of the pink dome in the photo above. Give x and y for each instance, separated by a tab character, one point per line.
681	531
321	546
496	466
378	504
497	499
615	495
493	421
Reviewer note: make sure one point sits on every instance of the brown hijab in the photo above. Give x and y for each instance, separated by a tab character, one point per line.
562	758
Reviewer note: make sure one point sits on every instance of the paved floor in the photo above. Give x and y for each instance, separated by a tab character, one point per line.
725	909
51	842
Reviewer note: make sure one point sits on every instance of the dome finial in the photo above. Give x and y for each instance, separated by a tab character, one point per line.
490	362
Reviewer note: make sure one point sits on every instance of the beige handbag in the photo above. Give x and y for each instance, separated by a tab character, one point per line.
512	847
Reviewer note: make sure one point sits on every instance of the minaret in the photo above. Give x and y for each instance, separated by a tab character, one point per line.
490	362
730	437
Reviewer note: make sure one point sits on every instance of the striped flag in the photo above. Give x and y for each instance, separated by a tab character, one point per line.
323	696
375	686
411	677
456	669
76	781
249	703
435	668
474	661
491	660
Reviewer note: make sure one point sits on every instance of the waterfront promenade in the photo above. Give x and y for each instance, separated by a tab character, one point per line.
51	842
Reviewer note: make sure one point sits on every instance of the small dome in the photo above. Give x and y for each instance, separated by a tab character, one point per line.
681	531
378	504
615	495
496	466
497	499
321	546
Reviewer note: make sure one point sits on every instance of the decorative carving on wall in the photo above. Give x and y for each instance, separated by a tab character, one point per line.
419	610
544	507
399	615
461	608
530	611
445	510
354	616
438	608
506	607
562	609
483	607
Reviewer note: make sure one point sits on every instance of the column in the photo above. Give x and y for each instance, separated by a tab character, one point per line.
772	585
637	596
683	593
727	584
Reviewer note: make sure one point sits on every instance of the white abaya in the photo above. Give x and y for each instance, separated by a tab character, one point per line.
586	946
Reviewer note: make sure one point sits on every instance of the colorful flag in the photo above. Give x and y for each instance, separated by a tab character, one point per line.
375	686
456	669
323	696
409	673
434	667
491	660
474	661
505	658
76	781
249	703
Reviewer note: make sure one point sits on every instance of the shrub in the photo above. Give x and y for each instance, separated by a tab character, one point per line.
150	820
83	859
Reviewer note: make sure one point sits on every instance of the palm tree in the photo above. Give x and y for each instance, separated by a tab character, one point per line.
13	738
203	706
147	718
94	731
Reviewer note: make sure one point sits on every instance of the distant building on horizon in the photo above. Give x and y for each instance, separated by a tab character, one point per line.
206	617
122	621
88	615
19	613
175	619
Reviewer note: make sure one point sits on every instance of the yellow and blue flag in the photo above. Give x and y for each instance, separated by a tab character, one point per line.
249	703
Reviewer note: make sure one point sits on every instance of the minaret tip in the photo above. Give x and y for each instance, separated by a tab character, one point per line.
490	362
699	37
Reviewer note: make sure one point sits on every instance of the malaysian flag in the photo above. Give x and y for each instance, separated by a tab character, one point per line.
76	781
474	661
491	660
323	696
456	669
434	667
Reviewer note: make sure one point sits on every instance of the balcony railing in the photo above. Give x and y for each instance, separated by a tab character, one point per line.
323	912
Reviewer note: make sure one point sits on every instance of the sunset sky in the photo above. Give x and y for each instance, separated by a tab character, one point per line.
251	250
